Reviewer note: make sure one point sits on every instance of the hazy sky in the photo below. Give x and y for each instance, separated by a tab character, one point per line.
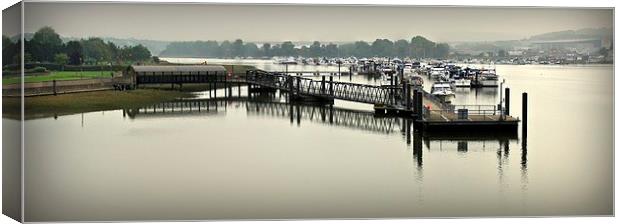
305	22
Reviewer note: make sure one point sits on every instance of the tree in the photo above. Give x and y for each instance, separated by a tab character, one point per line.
315	49
135	53
45	44
74	49
250	49
95	50
442	50
226	49
237	48
422	47
331	50
266	50
288	49
362	49
115	54
9	50
382	47
62	59
401	48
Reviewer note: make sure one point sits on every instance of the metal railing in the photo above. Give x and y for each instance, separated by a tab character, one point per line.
472	112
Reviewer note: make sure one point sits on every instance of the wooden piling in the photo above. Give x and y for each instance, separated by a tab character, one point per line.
323	85
419	107
507	102
298	85
331	86
408	96
54	86
524	114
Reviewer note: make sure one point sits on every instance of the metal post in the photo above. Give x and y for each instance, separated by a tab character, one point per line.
524	114
323	85
507	102
54	83
419	105
331	86
298	84
414	101
226	85
408	96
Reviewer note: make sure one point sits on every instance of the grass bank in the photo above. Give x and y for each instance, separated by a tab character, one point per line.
47	106
58	75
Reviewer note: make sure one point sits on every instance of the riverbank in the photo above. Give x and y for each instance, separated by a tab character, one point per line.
57	75
64	104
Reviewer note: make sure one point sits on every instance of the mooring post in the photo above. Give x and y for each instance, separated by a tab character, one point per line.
350	72
524	112
289	81
323	85
408	95
331	86
298	85
394	91
54	86
419	105
507	102
408	130
414	101
215	90
417	147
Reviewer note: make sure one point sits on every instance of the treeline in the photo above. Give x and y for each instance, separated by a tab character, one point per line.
417	47
46	46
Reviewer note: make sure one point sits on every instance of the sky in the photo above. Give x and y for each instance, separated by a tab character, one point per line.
260	23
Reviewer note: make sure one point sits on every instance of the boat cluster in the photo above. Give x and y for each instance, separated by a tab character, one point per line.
448	77
315	61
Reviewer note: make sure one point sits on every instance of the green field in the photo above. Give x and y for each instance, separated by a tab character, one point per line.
58	75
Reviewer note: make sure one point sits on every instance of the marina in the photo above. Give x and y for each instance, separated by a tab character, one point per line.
399	98
239	112
378	155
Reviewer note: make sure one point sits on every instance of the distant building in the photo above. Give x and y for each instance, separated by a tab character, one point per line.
515	53
581	45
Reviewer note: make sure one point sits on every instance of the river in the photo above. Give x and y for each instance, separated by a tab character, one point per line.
257	160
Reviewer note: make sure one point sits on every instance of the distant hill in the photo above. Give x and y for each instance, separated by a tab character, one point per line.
476	47
588	33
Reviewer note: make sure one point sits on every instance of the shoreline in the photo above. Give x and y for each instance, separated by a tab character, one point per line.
73	103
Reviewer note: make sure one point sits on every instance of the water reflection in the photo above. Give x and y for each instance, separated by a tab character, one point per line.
275	105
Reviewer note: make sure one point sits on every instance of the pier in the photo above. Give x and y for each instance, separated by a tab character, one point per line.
399	98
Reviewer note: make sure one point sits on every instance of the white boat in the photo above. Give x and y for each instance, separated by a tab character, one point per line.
289	61
488	78
462	82
408	69
437	72
416	80
443	90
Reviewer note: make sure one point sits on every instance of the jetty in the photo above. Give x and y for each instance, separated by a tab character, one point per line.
399	98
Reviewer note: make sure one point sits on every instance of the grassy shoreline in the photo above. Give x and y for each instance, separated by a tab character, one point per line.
65	104
57	75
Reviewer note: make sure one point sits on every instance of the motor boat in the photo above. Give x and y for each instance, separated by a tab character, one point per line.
443	90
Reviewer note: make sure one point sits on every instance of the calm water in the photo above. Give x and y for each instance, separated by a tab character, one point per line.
253	159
